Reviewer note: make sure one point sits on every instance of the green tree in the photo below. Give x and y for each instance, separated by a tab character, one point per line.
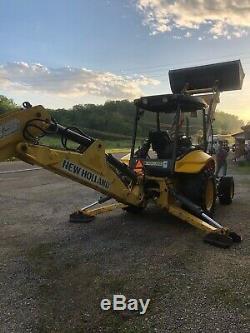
226	123
6	104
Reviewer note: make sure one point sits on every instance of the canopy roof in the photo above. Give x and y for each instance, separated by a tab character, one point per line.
169	103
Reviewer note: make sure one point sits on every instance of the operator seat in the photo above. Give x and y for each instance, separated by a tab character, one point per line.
161	144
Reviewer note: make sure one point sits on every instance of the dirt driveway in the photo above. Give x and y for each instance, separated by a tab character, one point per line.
53	274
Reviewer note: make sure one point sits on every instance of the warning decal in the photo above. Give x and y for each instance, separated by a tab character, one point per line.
139	165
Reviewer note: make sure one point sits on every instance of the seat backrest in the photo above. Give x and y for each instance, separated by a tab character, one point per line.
161	143
159	139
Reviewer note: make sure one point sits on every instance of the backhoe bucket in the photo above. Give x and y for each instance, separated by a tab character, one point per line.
224	76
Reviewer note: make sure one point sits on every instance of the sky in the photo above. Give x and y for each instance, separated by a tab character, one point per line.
59	53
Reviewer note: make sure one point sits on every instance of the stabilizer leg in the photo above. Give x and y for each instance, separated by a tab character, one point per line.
87	214
103	209
82	215
216	234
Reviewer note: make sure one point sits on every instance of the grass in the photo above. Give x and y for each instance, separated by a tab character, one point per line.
112	146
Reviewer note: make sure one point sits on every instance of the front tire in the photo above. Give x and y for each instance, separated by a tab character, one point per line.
226	190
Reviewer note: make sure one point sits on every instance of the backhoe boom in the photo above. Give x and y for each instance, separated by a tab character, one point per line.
88	165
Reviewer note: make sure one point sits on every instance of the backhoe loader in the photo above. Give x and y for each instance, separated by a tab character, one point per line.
168	170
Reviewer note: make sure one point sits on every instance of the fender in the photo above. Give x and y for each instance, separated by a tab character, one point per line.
193	162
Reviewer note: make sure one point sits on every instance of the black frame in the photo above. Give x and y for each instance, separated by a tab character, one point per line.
140	111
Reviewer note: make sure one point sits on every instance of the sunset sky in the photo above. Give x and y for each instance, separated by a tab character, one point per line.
65	52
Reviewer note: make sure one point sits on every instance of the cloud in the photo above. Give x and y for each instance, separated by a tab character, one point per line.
68	81
220	18
188	34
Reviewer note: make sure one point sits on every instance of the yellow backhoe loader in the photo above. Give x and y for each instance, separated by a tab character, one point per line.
168	169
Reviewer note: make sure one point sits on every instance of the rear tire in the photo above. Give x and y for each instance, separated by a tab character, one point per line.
226	190
201	190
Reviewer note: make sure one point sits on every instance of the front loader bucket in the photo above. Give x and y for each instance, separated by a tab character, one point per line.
225	76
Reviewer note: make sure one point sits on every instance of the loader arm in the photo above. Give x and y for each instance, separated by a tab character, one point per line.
88	165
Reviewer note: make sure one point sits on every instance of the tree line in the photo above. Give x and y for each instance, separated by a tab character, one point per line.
114	119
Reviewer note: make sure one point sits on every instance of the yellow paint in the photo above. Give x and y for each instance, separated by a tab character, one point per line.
102	209
191	219
125	159
9	141
93	160
192	162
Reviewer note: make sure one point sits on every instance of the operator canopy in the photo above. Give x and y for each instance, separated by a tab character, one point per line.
170	102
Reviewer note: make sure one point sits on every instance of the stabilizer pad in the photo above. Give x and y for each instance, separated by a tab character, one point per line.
78	217
219	240
235	237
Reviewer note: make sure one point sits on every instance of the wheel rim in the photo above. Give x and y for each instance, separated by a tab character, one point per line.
209	195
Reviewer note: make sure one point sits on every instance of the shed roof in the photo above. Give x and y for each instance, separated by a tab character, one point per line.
239	135
246	128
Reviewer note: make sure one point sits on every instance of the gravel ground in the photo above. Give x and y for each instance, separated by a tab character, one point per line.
53	274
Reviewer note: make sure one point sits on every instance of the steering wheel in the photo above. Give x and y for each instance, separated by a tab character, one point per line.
27	105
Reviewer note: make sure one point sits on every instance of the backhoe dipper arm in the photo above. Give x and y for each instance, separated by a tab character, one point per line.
88	165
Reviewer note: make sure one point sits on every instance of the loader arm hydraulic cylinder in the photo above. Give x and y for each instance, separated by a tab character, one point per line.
71	134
